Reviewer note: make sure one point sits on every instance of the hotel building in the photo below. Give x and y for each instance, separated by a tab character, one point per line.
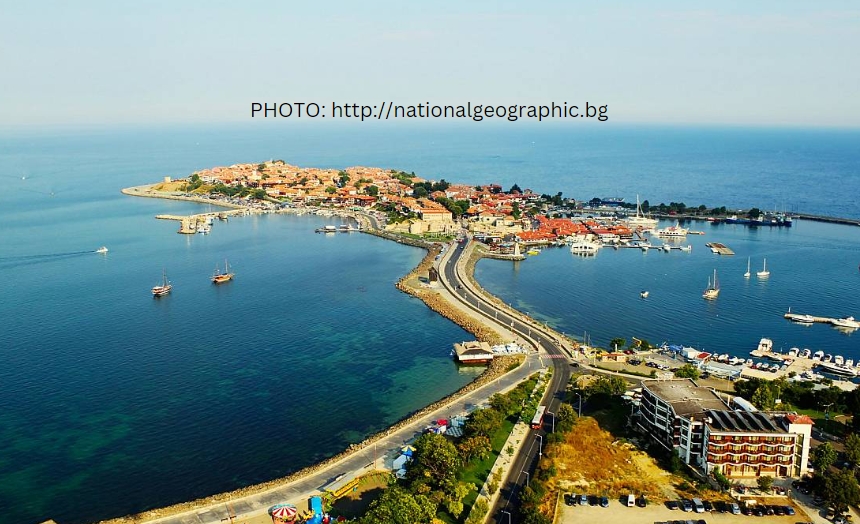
706	433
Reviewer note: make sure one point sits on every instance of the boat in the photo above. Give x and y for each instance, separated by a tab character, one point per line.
204	228
818	355
793	352
849	363
666	248
839	359
645	246
713	290
219	278
675	231
640	221
533	251
802	319
102	250
686	248
747	274
159	290
805	353
643	294
837	369
764	273
748	363
845	322
765	345
583	247
827	358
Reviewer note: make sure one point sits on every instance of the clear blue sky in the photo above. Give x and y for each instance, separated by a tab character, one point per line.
758	63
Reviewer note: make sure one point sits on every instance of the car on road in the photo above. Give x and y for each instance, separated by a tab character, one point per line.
788	510
686	505
671	504
604	502
583	499
734	508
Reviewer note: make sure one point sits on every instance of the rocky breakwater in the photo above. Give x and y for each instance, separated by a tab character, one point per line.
411	284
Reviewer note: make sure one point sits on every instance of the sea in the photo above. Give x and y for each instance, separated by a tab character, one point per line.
113	402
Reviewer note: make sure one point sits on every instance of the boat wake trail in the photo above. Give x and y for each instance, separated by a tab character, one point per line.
21	260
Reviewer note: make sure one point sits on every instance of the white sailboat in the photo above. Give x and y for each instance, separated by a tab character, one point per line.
764	273
747	274
713	290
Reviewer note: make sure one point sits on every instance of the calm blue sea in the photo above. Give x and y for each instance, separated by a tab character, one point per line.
113	402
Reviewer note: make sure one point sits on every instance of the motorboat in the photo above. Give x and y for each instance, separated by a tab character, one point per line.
666	248
802	319
805	352
827	358
584	247
849	362
643	294
686	248
793	352
818	355
765	345
832	367
675	231
102	250
839	360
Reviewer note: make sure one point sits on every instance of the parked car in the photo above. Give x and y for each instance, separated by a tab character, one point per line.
568	499
734	508
788	510
583	499
671	504
686	505
708	506
642	501
604	502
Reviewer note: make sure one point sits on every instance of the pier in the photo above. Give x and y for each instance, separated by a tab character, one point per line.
189	224
720	249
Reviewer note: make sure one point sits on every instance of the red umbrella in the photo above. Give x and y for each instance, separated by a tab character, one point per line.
284	512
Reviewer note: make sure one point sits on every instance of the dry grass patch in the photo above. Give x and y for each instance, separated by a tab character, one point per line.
592	460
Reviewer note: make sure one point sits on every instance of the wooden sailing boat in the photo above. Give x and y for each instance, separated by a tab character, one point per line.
747	274
159	290
219	278
764	273
713	290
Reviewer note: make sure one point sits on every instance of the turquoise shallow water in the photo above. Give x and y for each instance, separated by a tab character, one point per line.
113	402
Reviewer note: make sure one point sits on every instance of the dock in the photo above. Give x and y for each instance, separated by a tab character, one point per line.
189	224
796	317
720	249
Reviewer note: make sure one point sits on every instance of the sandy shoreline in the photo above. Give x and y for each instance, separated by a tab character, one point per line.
409	284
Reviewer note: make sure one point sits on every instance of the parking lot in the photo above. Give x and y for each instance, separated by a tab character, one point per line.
617	513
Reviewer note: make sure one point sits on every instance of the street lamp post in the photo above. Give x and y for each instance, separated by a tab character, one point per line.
508	513
553	420
580	404
540	446
527	477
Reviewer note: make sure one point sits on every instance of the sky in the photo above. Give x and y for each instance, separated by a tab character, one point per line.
773	63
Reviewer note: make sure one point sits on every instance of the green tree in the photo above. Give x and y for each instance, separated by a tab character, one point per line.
259	194
515	210
372	190
765	482
419	192
397	506
504	404
606	385
195	177
303	180
453	499
483	422
823	457
687	371
841	490
515	189
342	178
331	190
852	449
565	418
435	460
261	167
478	447
617	343
763	397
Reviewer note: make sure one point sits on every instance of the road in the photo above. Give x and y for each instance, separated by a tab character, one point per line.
453	277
